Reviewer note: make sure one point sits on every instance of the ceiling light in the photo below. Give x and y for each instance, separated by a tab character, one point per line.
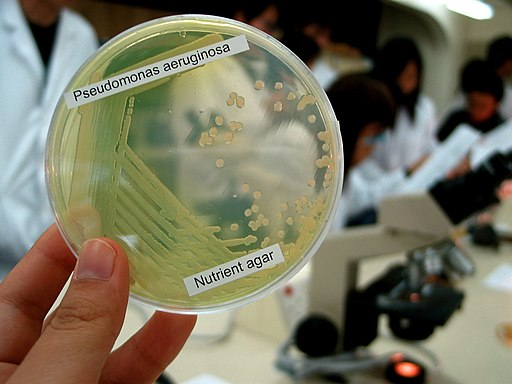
475	9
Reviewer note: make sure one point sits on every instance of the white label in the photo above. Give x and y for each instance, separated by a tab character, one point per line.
155	71
234	269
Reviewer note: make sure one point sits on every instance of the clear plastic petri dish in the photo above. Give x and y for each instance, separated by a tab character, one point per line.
205	148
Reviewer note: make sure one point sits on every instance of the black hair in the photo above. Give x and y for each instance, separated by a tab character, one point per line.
358	100
252	9
304	46
390	60
499	51
478	76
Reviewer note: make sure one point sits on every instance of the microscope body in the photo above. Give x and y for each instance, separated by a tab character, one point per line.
335	267
420	224
342	318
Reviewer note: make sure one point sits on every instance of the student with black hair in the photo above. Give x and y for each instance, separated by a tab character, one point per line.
399	64
498	56
483	92
365	109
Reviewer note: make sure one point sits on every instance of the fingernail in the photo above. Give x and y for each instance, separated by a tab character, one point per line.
96	260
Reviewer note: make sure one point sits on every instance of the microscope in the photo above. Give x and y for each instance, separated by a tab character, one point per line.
416	296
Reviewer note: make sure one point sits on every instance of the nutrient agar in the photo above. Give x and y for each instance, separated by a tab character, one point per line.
235	160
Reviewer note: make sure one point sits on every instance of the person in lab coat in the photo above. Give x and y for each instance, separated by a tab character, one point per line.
499	57
399	64
42	45
365	109
407	142
483	90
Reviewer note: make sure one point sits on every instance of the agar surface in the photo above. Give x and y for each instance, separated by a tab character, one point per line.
189	177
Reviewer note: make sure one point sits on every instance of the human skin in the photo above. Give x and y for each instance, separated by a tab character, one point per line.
74	343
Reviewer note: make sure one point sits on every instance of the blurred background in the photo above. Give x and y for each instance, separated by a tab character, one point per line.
446	38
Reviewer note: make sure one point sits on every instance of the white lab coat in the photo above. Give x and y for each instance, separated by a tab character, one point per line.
27	102
408	141
383	173
364	188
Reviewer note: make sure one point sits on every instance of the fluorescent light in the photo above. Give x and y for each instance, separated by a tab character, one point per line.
475	9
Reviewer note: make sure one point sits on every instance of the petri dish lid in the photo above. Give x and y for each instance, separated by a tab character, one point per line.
207	149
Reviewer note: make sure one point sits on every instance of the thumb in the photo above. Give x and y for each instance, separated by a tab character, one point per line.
77	340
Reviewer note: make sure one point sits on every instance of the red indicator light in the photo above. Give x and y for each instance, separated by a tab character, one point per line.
407	369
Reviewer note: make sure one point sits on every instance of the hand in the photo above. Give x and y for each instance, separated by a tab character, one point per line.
505	190
460	169
74	344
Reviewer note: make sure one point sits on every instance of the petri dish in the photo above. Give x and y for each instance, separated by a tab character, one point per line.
207	149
